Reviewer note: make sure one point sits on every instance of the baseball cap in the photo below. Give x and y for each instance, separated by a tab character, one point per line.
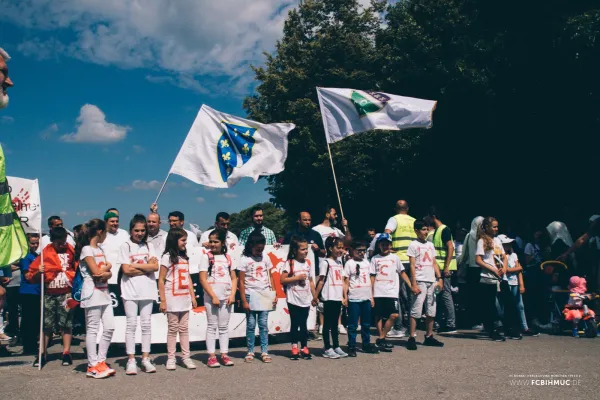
505	239
384	236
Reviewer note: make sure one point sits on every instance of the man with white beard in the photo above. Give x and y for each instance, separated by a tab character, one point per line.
5	81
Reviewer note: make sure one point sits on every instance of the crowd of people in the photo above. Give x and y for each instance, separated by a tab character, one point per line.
415	272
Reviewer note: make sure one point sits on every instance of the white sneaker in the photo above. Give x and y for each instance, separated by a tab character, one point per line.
131	368
340	352
148	366
478	327
189	364
358	328
320	329
395	334
329	353
342	330
171	364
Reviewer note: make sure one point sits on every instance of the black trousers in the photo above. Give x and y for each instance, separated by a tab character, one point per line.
331	315
488	294
30	322
298	330
12	307
473	302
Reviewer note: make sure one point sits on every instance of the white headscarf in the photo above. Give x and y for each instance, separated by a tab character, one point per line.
558	230
4	54
471	242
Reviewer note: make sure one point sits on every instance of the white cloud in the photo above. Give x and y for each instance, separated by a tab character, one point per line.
63	213
93	128
138	149
200	199
49	131
188	39
88	213
139	184
209	189
228	195
7	120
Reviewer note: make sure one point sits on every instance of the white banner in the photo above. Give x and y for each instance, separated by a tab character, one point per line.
25	194
279	319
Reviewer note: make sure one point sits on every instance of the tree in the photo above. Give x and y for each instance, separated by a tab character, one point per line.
516	129
274	219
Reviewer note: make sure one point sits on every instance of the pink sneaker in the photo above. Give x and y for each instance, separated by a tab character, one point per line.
212	362
226	361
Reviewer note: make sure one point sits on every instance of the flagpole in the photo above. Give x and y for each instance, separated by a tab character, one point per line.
42	336
337	190
162	187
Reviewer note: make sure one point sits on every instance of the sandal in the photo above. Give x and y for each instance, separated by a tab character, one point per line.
249	357
266	358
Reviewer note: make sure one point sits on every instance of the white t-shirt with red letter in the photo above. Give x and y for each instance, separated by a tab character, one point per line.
333	287
359	284
424	255
142	287
298	293
257	273
219	277
95	293
177	284
387	280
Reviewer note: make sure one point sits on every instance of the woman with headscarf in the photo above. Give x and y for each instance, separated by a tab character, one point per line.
560	242
467	258
592	266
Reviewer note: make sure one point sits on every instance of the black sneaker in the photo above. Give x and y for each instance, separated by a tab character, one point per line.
383	345
36	362
412	344
497	337
351	352
431	341
515	335
67	359
447	329
370	349
530	332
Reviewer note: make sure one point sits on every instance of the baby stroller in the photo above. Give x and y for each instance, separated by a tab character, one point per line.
558	298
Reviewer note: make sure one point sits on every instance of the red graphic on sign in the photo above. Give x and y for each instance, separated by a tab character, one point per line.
275	273
20	201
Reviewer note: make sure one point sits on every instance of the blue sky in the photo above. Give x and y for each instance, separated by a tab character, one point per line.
105	92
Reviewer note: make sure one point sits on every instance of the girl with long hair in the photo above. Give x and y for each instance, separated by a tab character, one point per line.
218	279
490	256
297	279
255	277
95	298
177	296
138	290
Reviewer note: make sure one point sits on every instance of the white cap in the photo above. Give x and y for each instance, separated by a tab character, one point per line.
4	54
505	239
594	217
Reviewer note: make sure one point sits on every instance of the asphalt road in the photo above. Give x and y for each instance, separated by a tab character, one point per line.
467	367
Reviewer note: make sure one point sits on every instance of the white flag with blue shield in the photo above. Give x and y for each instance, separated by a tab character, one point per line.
220	149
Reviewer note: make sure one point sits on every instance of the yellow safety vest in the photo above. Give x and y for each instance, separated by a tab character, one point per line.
13	243
440	249
403	235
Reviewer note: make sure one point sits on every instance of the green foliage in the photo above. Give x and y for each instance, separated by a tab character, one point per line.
274	219
515	131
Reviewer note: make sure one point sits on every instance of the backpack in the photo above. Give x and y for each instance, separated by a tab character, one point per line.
77	286
211	262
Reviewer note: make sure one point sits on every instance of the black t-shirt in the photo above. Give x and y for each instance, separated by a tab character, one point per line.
446	235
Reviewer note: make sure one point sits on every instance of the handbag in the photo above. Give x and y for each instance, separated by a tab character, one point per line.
263	300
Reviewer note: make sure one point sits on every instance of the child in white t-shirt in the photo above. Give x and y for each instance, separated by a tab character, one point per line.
490	256
177	296
95	299
138	290
387	269
255	278
426	278
218	279
297	280
331	288
359	298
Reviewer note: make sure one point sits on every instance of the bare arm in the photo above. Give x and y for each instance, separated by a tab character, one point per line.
516	269
206	286
449	255
129	270
486	266
405	278
243	289
162	276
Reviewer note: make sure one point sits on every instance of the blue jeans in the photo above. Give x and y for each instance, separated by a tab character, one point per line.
520	307
358	309
263	328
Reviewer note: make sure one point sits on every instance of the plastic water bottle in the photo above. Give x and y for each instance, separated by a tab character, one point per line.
436	290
